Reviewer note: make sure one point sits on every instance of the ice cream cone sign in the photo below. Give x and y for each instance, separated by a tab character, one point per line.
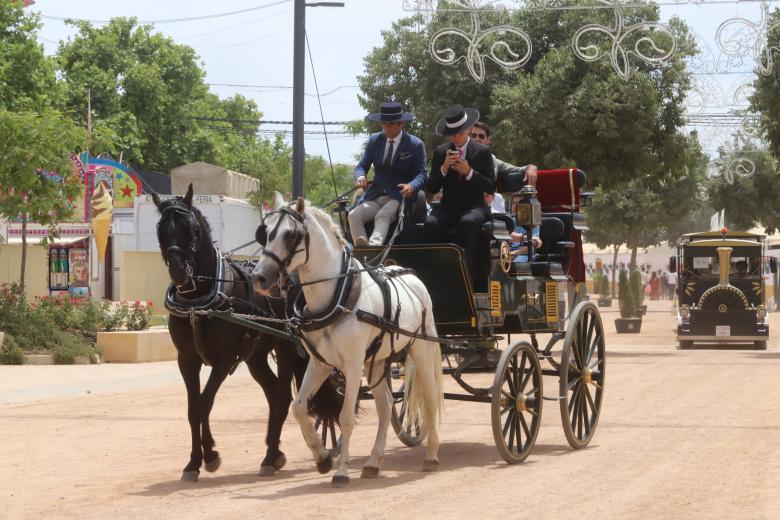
102	209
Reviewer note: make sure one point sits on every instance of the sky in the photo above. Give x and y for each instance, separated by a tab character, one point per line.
251	53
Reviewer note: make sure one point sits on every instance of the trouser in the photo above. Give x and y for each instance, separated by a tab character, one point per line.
468	222
383	210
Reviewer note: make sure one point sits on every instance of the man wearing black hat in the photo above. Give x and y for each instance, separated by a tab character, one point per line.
399	171
464	169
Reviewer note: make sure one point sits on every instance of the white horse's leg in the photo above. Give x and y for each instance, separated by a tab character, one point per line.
383	401
352	377
424	355
316	374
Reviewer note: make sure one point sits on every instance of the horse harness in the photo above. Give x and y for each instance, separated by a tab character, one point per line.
181	209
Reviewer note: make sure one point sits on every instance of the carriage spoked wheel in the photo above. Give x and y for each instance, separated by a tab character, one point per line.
581	373
409	434
516	403
328	429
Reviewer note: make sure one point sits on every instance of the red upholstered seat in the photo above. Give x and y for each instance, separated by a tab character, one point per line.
559	190
559	194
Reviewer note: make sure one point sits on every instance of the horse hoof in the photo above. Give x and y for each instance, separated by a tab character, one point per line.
280	462
369	472
213	465
267	471
340	481
190	476
431	465
326	465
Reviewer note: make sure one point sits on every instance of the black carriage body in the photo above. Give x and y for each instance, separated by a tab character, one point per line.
721	302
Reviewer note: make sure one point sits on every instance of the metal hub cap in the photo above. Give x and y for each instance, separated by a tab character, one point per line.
587	375
521	402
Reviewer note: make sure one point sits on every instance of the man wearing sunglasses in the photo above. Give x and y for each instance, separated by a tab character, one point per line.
399	172
481	133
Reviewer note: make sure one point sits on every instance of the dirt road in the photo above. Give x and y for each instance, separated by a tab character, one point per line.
688	434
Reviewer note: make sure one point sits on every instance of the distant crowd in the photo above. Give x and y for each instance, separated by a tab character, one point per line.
658	284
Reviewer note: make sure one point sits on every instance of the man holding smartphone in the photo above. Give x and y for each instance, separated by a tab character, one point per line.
464	170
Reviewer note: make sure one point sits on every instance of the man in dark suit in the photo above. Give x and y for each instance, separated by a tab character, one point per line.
399	172
464	170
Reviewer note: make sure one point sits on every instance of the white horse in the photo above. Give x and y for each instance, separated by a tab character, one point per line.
303	238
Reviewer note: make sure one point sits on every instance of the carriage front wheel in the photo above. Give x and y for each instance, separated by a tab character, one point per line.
581	374
516	402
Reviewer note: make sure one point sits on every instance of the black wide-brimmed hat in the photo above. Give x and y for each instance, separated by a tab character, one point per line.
390	112
456	119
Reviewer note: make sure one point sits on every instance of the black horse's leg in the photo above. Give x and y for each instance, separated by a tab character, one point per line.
218	374
286	357
190	372
274	459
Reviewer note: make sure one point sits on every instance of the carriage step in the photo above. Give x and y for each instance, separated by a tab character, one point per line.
557	398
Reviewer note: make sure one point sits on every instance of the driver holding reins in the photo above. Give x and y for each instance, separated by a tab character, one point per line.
399	172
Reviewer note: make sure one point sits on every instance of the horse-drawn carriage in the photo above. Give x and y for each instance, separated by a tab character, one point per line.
357	306
540	297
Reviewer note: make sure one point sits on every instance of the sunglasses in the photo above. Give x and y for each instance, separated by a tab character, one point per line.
478	136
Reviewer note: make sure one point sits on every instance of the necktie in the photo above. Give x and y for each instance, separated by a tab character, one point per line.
389	157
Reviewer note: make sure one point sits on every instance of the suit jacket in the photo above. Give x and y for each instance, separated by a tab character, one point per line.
408	166
461	194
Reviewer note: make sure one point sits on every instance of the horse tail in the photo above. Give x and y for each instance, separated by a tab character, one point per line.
328	400
413	393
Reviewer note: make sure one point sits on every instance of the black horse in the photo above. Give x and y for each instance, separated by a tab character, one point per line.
203	279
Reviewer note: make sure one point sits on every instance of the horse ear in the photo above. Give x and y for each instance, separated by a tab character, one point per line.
188	197
156	200
300	205
278	200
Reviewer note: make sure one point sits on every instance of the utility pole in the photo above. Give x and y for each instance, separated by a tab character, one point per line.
299	79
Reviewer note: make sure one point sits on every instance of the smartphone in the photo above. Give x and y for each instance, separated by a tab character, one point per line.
452	152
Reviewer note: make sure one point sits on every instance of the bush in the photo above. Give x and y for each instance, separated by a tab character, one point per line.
604	289
139	316
11	354
637	288
626	298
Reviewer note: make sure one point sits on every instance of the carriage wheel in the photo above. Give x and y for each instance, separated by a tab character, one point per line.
582	372
516	405
328	429
409	434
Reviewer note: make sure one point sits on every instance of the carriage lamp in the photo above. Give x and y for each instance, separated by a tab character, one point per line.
341	210
685	312
528	211
761	312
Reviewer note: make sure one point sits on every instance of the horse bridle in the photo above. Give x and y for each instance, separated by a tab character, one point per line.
192	249
262	236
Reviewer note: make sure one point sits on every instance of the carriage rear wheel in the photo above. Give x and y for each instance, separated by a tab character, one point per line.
409	434
581	373
516	404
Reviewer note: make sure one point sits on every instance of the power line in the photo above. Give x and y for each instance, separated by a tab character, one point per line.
265	122
174	20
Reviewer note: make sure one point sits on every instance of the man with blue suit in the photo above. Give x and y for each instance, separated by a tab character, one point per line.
399	172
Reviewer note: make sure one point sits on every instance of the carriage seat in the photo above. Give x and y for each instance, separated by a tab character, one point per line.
544	262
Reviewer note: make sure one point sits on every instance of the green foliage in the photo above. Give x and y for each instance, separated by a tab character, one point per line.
626	298
138	315
635	279
11	354
765	100
27	79
604	286
747	200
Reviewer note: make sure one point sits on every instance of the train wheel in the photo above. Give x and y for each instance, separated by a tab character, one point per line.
516	404
581	373
409	434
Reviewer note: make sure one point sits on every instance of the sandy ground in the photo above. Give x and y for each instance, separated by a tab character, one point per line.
684	434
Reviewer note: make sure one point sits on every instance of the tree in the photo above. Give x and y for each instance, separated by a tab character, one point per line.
747	187
765	100
38	181
27	77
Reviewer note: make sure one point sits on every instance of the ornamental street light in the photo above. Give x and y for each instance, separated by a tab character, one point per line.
299	76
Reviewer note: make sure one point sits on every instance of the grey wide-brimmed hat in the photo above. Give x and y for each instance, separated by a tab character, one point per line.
456	119
391	112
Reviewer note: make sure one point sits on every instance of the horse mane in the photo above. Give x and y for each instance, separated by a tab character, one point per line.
324	219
